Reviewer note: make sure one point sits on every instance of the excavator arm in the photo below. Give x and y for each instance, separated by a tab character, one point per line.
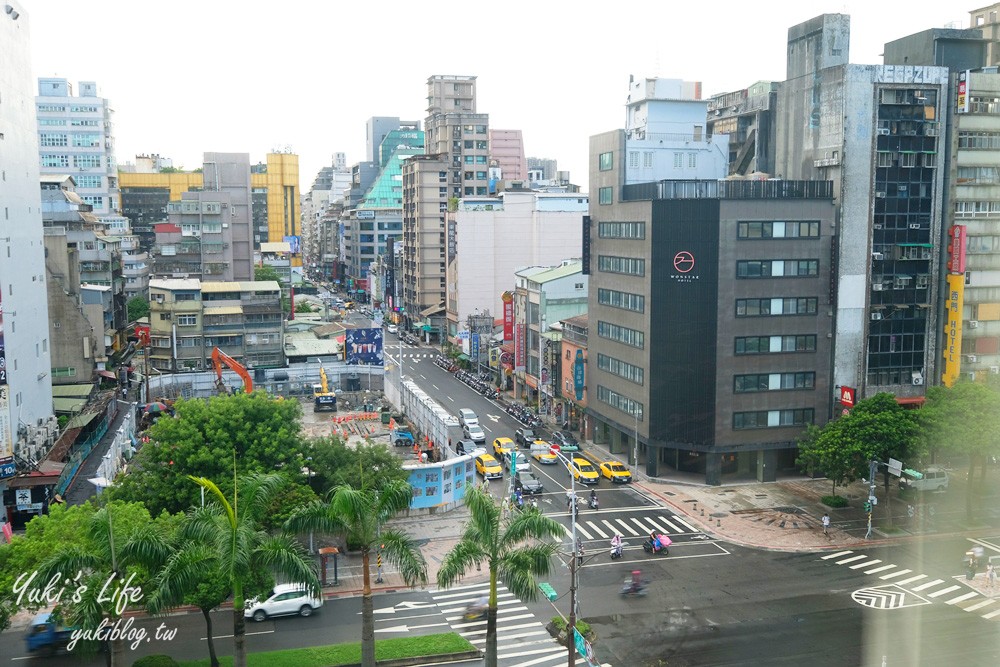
218	359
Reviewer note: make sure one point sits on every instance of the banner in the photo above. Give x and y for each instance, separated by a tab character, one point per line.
578	379
956	249
508	317
519	348
6	441
364	346
954	299
474	347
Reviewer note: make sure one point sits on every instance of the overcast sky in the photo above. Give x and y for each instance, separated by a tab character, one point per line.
186	77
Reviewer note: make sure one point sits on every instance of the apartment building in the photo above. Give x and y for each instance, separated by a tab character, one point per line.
746	116
507	153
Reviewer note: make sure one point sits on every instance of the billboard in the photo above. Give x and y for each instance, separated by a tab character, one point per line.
519	348
508	316
294	243
962	103
954	299
363	346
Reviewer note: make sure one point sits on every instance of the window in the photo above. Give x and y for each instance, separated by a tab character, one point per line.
64	372
51	108
778	230
604	195
978	140
777	268
982	104
773	382
86	161
85	122
775	344
86	140
692	160
621	230
621	334
633	266
620	402
633	159
772	418
970	175
83	109
52	160
647	159
189	342
51	121
977	209
885	159
187	320
907	159
94	200
775	307
620	368
52	139
88	181
678	160
605	161
623	300
480	129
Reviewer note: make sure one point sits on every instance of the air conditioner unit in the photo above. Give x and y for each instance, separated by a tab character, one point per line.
877	256
973	324
877	287
995	370
877	225
918	380
972	358
880	195
914	225
883	131
876	316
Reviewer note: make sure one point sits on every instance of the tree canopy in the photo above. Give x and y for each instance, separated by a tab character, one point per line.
138	308
266	273
334	464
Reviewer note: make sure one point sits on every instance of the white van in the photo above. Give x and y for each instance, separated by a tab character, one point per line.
934	479
467	417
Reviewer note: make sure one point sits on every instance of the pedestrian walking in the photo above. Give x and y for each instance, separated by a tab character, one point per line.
991	578
826	524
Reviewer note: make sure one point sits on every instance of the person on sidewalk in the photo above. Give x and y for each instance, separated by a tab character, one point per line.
826	524
991	578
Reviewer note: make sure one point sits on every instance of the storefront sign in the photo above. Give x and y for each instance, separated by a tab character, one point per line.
578	378
508	317
954	299
962	105
585	254
956	249
519	348
847	396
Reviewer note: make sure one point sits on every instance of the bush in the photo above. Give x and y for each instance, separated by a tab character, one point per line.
834	501
155	661
581	626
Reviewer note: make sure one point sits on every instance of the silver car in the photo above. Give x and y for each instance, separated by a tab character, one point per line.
284	600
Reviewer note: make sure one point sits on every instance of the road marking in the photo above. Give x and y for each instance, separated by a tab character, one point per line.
580	529
472	624
672	526
435	387
988	545
613	530
657	527
850	560
516	635
407	628
685	524
462	604
593	526
876	561
494	418
836	555
627	527
895	574
991	614
943	591
641	525
961	598
916	577
259	632
522	626
450	399
928	584
445	603
520	654
980	605
880	569
547	658
396	620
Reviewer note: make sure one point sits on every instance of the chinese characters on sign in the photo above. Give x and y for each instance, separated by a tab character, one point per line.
953	329
508	317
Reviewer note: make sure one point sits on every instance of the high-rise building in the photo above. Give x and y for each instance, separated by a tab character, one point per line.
25	359
747	117
876	131
507	151
987	19
455	165
76	138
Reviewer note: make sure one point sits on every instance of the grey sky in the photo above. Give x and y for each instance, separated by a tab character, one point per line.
187	77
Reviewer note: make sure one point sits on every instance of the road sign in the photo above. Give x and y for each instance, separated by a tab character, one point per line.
895	467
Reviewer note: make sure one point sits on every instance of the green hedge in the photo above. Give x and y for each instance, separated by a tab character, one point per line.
155	661
834	501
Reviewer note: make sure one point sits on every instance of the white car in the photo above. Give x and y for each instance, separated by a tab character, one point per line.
467	417
284	600
475	433
392	328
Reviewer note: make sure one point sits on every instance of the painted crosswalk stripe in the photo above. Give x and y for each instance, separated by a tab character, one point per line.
980	605
580	529
880	569
469	590
642	527
937	594
673	527
515	635
569	533
962	598
593	526
893	575
851	559
472	624
520	654
928	584
991	614
506	628
684	523
875	561
836	555
657	527
464	587
548	658
613	529
627	527
471	596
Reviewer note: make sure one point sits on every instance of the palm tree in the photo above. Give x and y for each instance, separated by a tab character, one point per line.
360	515
511	549
234	545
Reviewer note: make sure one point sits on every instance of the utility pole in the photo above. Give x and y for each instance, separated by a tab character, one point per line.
574	556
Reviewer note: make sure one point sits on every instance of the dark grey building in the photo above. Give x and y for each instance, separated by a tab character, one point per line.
710	319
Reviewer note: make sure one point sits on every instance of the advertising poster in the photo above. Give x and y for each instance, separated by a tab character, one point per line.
294	243
364	346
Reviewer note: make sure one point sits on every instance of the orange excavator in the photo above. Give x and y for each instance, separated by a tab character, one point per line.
218	358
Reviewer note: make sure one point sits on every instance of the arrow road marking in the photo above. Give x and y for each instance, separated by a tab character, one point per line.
494	418
407	628
402	606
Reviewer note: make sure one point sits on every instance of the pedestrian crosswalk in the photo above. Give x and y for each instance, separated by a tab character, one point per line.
955	591
604	525
522	640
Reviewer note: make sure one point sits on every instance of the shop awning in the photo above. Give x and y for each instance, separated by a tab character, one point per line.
427	327
916	245
463	357
432	310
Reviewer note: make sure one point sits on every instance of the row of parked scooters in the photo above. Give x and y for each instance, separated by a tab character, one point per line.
524	415
480	382
446	363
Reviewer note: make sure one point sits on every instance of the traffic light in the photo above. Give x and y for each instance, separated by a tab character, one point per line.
548	591
867	506
913	473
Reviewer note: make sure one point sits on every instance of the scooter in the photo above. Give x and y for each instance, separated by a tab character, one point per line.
616	552
632	588
665	542
592	503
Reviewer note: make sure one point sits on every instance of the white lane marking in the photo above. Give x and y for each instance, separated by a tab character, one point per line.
614	531
875	561
502	637
642	526
627	527
893	575
436	387
522	626
880	569
961	598
593	526
916	577
673	527
473	624
580	529
850	560
991	614
836	555
928	584
937	594
685	524
980	605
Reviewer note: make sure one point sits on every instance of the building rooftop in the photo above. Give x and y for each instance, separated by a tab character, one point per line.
567	268
241	286
276	246
175	284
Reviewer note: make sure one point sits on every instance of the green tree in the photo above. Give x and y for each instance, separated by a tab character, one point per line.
266	273
963	419
303	307
512	548
334	464
138	308
237	548
200	439
360	517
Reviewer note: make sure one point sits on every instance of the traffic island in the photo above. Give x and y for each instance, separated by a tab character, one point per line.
402	652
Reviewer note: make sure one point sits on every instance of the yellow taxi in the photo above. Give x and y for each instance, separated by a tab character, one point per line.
502	447
584	471
540	451
616	472
488	467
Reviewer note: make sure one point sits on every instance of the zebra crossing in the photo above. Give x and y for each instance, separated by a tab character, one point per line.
604	524
962	595
522	640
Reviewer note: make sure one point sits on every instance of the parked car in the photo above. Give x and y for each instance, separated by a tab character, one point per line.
465	447
616	472
284	600
488	467
934	479
475	433
566	441
467	417
526	481
584	471
523	436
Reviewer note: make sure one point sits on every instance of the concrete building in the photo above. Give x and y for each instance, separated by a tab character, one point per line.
189	317
455	165
986	19
747	117
25	355
571	394
377	128
76	137
495	236
507	150
327	190
876	131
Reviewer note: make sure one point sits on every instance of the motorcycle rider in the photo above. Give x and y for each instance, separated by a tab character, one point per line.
593	498
616	544
655	541
636	581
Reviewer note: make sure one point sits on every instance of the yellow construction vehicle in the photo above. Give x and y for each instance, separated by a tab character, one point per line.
323	397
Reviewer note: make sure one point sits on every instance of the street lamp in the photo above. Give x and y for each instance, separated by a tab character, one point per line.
635	442
571	623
